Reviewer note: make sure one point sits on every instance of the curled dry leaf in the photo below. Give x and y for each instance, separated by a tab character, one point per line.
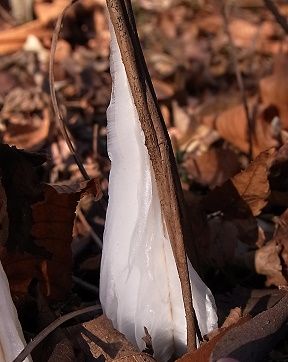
47	11
232	127
217	237
106	342
232	123
53	220
41	221
30	134
203	353
268	263
272	259
252	184
26	117
274	89
253	340
233	317
52	227
244	332
212	167
233	208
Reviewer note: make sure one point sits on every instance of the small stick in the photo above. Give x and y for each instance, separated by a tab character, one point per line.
250	121
57	112
281	20
159	148
51	327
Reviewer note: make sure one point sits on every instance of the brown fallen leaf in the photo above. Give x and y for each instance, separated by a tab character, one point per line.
41	219
272	259
53	220
21	269
203	353
46	11
51	229
252	184
106	342
13	39
211	168
221	222
224	220
268	263
233	317
274	89
29	135
232	127
252	341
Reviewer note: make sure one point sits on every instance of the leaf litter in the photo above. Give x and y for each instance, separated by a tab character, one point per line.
237	208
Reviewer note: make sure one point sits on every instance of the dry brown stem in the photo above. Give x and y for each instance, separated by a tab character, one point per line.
51	327
250	120
58	114
281	20
159	147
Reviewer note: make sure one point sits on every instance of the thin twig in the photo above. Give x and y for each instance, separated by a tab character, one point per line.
281	20
49	329
159	148
58	114
95	139
250	123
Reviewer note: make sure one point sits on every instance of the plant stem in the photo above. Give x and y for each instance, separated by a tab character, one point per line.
281	20
250	120
57	112
49	329
159	148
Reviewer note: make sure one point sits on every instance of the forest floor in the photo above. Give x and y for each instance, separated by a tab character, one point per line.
220	71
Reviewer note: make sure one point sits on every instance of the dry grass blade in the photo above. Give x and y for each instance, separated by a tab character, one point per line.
239	78
49	329
53	92
279	17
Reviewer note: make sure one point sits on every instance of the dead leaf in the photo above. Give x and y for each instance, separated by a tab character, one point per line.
40	232
223	227
30	134
47	11
233	317
253	340
271	260
232	126
268	263
203	353
243	32
103	340
274	89
13	39
53	220
211	168
252	184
